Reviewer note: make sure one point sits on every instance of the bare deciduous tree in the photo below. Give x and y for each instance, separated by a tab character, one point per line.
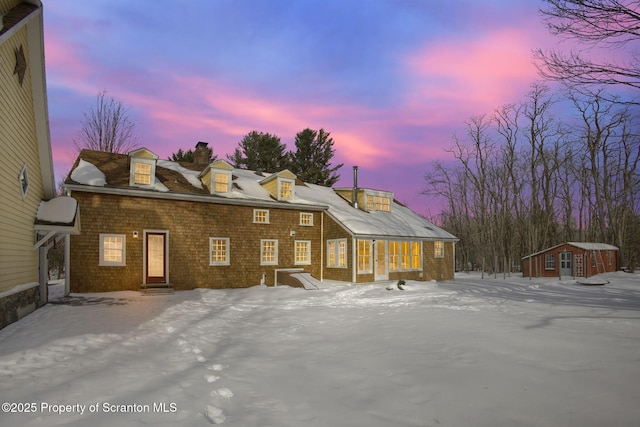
608	23
107	127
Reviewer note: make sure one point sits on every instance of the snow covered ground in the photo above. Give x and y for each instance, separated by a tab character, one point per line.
471	352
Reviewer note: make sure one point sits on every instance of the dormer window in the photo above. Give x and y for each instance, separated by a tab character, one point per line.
142	173
221	181
285	189
379	201
218	177
281	186
142	168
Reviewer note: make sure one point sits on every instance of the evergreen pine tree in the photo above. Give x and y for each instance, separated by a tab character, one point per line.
311	161
260	151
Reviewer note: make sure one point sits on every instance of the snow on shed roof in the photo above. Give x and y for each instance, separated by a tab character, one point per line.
588	246
61	210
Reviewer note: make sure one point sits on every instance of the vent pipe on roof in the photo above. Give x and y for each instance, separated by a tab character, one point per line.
354	200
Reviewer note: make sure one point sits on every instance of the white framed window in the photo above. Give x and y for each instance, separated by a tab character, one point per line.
143	171
438	249
221	181
306	218
113	250
550	261
416	255
268	252
261	216
285	189
364	256
405	256
219	251
337	253
302	252
378	201
23	179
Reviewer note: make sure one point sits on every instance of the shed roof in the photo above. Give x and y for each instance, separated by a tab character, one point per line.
588	246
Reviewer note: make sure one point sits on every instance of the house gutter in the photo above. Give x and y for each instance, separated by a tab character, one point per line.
188	197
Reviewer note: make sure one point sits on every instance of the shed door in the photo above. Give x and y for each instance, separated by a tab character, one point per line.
156	257
381	270
565	264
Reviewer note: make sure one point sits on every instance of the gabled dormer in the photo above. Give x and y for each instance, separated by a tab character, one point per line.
217	177
281	185
142	168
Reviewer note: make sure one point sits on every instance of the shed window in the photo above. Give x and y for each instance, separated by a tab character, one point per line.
221	181
306	218
550	262
142	173
337	253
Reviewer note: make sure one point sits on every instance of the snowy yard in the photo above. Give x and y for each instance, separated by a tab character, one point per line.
472	352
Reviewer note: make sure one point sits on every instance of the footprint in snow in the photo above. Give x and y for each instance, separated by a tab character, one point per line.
211	378
216	367
222	392
214	415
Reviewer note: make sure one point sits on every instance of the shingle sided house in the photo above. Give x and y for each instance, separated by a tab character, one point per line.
151	222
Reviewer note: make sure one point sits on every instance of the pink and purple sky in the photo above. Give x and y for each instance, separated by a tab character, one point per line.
392	80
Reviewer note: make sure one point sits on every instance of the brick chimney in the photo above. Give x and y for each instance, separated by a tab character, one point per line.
201	154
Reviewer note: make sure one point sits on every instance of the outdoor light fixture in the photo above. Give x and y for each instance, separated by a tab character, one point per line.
135	234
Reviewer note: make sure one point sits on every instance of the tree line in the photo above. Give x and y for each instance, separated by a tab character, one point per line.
555	167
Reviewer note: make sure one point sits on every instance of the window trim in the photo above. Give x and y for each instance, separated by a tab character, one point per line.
229	176
267	219
438	253
308	215
307	261
227	260
152	171
282	180
336	252
23	180
101	260
369	256
550	261
262	252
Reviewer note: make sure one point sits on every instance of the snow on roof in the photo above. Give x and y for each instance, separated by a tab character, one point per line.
593	246
88	174
189	175
400	222
59	210
247	185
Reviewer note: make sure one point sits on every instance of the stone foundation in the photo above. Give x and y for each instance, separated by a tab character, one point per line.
15	306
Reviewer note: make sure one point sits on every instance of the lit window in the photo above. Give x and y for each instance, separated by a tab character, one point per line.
285	189
221	182
268	252
438	249
416	255
142	173
378	203
218	251
337	253
550	261
24	180
112	250
261	216
364	256
394	256
306	218
303	252
405	256
342	253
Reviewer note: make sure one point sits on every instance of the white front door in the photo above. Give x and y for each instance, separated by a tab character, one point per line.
381	269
